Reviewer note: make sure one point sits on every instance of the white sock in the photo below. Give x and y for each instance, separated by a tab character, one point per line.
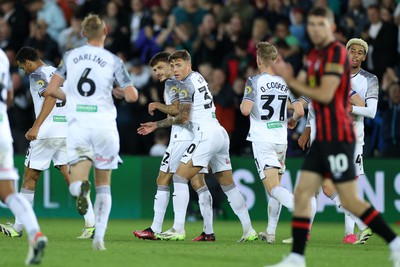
238	205
89	216
102	208
75	188
348	224
297	258
23	210
161	201
180	200
29	195
349	218
360	224
206	209
313	210
395	244
274	210
283	196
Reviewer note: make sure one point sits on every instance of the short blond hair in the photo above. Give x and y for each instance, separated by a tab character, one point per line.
92	25
357	41
267	53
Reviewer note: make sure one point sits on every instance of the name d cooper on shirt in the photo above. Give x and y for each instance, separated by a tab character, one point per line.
90	57
274	85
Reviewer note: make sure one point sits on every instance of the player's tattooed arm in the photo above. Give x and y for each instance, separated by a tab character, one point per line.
181	118
171	110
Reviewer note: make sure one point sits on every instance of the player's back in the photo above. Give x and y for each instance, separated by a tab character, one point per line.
55	125
366	85
171	94
91	72
268	118
195	91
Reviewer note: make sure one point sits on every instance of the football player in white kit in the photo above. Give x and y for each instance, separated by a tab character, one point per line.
210	146
18	205
92	136
48	137
265	100
181	137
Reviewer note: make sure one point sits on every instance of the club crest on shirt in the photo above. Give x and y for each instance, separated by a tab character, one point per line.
40	83
183	93
247	90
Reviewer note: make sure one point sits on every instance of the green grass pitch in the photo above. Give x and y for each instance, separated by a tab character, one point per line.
123	249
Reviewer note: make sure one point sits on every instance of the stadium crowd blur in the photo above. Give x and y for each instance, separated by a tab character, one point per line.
221	36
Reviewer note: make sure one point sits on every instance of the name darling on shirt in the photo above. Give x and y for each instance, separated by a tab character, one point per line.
102	63
90	57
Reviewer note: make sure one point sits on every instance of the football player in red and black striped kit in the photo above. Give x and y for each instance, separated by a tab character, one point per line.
326	80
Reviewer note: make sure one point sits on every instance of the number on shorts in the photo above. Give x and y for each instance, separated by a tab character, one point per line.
191	148
338	163
166	157
85	80
359	159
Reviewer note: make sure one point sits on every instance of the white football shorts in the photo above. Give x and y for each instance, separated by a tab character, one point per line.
42	151
101	146
210	148
173	155
269	155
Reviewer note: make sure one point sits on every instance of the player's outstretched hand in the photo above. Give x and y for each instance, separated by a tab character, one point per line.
32	133
147	128
152	106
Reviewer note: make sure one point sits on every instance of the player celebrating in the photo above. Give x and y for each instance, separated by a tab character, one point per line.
327	83
209	146
92	136
47	135
265	100
181	138
18	205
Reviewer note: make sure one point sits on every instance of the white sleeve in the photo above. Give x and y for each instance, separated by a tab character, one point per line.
369	110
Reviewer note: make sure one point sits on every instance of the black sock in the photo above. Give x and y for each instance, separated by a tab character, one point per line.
300	228
374	220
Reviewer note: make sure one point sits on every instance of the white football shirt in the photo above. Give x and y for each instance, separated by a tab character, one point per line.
268	117
91	72
366	85
5	85
55	125
194	90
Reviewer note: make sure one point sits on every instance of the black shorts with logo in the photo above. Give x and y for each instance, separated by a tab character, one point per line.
332	160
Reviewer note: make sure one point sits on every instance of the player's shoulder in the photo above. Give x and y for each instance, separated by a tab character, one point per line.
368	75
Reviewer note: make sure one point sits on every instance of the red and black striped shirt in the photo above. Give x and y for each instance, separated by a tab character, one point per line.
333	120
